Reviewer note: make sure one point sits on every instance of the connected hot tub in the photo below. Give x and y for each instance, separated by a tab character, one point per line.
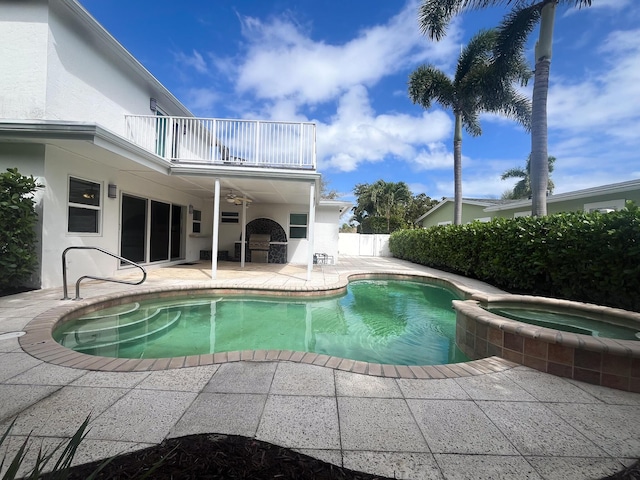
590	343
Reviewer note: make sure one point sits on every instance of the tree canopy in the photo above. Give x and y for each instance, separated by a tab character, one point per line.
383	207
522	189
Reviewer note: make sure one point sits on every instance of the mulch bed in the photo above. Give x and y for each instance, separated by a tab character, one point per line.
214	456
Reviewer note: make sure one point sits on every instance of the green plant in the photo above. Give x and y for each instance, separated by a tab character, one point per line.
62	469
18	217
590	257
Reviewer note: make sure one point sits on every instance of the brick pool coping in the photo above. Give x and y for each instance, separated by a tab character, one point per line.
597	360
39	343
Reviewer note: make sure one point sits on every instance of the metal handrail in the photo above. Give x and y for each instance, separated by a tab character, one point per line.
122	259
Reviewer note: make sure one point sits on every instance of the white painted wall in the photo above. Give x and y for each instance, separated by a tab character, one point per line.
376	245
23	59
59	165
62	70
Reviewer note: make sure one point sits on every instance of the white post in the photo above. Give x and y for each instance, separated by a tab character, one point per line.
216	229
311	229
243	222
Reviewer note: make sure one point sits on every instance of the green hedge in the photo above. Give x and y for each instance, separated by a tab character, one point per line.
590	257
18	218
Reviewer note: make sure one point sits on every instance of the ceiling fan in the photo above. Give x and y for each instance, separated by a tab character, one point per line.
237	200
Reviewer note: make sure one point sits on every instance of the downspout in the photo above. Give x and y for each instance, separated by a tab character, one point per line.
311	229
216	229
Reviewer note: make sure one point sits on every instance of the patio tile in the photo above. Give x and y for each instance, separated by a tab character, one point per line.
329	456
300	422
535	430
432	389
549	388
355	385
9	345
183	379
456	426
416	466
110	379
48	374
60	414
15	398
608	395
12	364
378	424
496	386
486	467
570	468
302	379
141	416
242	377
613	428
228	413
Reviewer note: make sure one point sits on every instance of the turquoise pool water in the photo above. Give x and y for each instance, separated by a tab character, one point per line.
381	321
568	323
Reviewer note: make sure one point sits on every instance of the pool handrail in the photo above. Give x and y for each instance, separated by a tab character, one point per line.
83	247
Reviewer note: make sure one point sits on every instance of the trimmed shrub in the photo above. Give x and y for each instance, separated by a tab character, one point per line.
590	257
18	217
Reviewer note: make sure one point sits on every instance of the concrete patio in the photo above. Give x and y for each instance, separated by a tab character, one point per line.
496	421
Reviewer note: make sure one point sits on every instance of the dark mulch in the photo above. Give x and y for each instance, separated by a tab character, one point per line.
13	290
213	456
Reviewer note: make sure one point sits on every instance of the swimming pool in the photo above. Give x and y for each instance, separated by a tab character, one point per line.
382	321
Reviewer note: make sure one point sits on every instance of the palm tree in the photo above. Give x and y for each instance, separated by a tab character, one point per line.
522	189
480	84
434	16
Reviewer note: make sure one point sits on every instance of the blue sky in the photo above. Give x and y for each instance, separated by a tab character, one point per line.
344	65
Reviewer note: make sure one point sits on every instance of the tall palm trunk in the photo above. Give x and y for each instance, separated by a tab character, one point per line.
457	171
539	157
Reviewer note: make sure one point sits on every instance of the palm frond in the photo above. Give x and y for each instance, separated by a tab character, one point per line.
427	84
516	172
477	53
512	36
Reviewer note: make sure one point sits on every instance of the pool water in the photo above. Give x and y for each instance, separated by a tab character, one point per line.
568	323
381	321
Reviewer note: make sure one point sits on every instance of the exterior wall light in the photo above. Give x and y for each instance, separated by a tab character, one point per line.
112	190
153	104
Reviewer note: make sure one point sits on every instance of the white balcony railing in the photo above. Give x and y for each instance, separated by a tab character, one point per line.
253	143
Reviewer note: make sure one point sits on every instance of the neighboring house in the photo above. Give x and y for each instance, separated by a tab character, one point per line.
603	198
127	168
472	209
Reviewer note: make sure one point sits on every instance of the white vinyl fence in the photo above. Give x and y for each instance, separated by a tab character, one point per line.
356	244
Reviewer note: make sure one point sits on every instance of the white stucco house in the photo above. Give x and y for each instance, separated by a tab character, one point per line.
127	168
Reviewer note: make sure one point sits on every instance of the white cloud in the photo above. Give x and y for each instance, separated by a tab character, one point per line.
195	61
355	134
284	62
597	102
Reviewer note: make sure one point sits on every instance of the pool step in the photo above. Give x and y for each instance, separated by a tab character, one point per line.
134	324
159	323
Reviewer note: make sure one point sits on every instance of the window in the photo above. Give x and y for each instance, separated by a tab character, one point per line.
605	207
229	217
84	206
298	225
197	221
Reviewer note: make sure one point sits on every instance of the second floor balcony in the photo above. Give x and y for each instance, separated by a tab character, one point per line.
251	143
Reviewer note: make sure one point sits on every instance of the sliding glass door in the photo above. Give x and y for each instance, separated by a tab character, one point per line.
151	231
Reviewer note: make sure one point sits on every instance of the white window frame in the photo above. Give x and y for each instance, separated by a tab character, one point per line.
296	225
84	206
617	204
197	222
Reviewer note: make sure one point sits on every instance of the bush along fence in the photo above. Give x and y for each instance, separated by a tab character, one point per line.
589	257
18	218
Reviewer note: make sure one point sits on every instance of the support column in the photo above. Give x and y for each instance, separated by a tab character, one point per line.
216	229
311	227
243	234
